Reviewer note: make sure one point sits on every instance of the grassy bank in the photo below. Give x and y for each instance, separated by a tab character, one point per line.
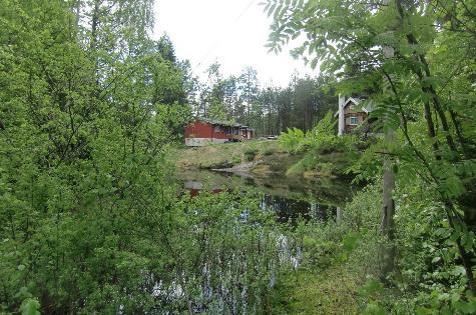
268	156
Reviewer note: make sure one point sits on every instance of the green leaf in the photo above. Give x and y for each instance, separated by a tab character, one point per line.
30	306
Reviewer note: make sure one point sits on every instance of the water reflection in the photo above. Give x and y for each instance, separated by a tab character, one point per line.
231	279
289	198
291	209
194	187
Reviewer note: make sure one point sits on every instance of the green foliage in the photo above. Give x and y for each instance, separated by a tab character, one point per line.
427	277
267	110
307	162
86	204
305	292
269	151
293	140
225	245
235	160
411	60
323	150
250	154
30	307
89	105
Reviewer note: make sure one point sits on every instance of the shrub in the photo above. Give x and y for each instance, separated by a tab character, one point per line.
250	154
293	140
235	160
269	151
323	150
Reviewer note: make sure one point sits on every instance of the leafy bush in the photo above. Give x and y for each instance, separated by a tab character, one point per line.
236	160
427	278
308	161
320	147
250	154
293	140
269	151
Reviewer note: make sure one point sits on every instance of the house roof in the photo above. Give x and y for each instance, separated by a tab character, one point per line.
356	101
369	106
223	123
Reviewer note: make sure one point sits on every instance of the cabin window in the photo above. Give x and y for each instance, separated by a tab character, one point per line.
354	120
218	129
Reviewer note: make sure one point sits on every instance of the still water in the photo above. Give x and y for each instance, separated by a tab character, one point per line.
289	197
231	273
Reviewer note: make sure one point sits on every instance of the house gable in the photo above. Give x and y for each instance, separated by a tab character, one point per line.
351	114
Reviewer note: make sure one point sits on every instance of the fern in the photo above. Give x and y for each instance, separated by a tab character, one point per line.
318	145
292	140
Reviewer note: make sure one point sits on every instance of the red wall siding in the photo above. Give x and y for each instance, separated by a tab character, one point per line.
221	135
199	130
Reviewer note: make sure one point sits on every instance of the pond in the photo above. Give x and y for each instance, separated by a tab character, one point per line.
289	197
230	266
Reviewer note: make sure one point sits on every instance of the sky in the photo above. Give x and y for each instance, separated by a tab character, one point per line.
232	32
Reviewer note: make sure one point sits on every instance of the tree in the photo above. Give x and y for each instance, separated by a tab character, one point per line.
81	154
248	93
166	49
351	39
231	98
311	102
212	96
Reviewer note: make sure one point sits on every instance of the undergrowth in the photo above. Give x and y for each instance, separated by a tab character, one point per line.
340	271
324	153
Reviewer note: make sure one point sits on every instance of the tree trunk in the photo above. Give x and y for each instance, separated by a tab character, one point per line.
387	228
94	38
341	127
339	215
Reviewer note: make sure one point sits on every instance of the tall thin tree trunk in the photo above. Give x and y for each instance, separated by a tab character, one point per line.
459	133
339	215
387	227
388	204
78	13
431	130
94	37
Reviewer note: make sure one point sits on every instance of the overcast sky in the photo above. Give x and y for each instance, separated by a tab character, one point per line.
232	32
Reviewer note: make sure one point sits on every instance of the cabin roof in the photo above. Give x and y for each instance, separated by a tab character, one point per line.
216	122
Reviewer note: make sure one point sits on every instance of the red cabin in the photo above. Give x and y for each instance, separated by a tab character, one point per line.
205	131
